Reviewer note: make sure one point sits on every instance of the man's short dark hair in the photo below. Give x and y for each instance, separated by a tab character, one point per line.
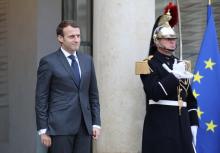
65	23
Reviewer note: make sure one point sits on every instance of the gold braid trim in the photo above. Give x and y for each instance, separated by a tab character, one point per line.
180	101
183	85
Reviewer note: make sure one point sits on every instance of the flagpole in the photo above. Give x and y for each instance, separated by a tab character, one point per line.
180	32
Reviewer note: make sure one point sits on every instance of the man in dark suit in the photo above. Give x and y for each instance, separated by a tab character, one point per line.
67	101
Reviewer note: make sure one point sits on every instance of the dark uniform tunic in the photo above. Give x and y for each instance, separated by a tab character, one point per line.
166	129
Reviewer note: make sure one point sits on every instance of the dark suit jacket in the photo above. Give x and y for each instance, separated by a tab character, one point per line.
60	103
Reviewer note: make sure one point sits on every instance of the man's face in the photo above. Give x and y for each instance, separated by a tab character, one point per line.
168	43
70	41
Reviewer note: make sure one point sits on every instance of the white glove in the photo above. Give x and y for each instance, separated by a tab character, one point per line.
179	70
179	67
194	133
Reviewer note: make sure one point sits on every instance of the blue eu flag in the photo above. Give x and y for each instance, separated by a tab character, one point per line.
206	89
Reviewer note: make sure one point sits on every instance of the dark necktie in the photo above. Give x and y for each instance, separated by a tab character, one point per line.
75	68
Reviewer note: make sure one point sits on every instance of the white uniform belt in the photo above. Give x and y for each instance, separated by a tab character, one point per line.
166	102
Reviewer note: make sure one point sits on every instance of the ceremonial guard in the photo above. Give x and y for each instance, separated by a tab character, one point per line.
171	120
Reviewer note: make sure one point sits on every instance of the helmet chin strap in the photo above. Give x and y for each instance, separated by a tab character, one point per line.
163	47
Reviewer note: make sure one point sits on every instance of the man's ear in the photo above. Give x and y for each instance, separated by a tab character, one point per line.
60	38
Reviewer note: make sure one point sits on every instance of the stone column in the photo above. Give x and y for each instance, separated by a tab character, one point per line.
122	31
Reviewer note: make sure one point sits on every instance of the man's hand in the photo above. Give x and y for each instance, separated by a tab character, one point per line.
96	133
179	66
194	133
179	70
45	140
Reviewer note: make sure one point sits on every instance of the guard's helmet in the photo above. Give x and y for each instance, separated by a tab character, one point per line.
164	32
164	26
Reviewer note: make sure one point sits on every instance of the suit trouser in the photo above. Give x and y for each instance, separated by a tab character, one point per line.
79	143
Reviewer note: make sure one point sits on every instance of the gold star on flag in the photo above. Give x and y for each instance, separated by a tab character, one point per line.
209	64
211	126
197	77
195	94
199	112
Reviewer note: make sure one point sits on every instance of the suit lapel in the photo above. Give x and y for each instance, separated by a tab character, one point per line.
66	65
82	64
